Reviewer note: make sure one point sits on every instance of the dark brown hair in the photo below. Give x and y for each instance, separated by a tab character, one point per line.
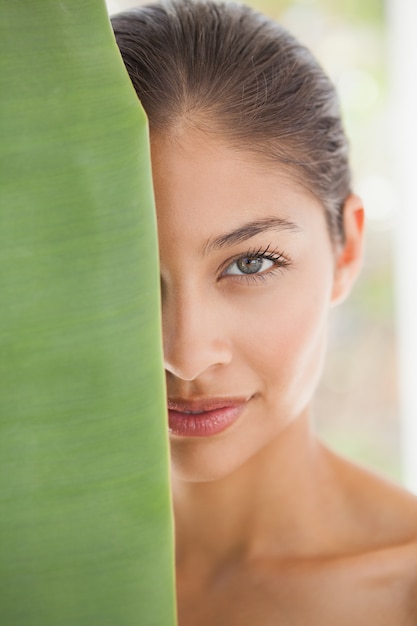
229	70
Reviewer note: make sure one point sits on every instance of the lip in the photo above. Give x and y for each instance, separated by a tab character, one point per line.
205	417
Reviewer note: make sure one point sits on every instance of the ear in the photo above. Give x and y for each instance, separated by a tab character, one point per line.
349	252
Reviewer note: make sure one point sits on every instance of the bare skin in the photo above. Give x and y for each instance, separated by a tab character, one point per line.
341	550
271	527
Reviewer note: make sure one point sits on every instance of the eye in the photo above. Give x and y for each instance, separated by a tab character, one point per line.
249	265
256	265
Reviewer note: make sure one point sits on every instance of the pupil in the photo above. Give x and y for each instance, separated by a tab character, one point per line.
248	265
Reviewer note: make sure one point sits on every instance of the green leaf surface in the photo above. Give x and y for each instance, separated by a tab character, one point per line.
85	511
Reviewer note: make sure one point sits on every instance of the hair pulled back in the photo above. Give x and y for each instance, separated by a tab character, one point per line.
228	70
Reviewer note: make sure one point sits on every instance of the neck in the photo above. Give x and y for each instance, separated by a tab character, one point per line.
261	508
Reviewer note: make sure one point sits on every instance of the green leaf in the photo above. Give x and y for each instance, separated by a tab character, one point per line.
85	511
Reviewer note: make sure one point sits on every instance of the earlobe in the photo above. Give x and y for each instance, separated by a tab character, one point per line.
349	253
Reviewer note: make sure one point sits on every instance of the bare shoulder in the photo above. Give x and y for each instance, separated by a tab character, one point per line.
383	513
382	547
386	511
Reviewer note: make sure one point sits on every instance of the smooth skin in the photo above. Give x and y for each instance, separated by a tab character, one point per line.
271	527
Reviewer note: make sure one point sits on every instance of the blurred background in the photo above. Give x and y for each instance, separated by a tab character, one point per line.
365	405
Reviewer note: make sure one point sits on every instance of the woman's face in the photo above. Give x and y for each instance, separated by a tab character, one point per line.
247	274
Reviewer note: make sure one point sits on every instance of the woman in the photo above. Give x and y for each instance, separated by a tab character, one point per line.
260	235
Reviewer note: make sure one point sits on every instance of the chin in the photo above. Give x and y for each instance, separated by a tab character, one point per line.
201	466
209	459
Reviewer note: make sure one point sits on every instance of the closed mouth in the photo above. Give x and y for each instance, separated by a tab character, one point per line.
203	417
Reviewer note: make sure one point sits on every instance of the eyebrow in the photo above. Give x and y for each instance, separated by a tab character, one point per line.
246	231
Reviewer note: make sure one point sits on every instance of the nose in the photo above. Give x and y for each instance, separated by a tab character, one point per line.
195	335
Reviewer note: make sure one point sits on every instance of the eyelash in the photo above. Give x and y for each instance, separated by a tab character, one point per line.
280	260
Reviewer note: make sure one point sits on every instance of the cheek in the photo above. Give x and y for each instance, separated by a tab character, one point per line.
287	349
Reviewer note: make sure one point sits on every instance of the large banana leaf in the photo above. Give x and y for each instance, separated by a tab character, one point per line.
85	515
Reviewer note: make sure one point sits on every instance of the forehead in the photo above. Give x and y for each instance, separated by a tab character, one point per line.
205	185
